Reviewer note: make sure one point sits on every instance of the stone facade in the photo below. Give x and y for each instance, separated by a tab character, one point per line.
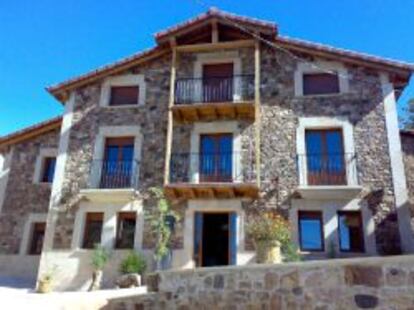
407	143
369	283
23	196
280	110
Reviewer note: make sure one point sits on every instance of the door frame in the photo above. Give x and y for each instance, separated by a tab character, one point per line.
215	206
213	128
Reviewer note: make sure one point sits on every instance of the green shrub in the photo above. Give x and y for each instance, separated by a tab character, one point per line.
133	263
100	257
290	252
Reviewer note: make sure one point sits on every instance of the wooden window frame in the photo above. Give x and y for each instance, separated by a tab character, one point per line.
31	248
91	216
361	231
306	91
121	216
324	153
317	215
46	162
119	104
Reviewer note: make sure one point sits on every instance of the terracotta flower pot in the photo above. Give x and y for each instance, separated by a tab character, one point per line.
268	252
44	286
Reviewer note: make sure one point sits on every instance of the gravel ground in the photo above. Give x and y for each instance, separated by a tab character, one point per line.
18	294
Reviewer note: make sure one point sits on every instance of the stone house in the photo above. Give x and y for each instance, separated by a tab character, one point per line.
229	118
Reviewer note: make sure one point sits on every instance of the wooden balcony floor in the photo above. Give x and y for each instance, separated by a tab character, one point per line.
185	113
211	190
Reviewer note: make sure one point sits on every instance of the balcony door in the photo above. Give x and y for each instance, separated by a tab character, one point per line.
325	157
218	82
216	158
118	163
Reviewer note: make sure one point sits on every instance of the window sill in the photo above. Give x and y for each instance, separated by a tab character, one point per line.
108	194
329	191
44	183
335	95
127	106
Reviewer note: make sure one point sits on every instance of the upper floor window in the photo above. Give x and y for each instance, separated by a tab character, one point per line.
124	95
320	83
48	169
125	230
117	165
325	157
36	242
351	236
123	90
93	229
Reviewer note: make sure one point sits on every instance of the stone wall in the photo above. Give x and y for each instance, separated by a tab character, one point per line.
407	144
281	111
22	195
369	283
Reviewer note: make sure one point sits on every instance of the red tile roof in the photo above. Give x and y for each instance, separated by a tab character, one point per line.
345	53
214	12
289	43
31	131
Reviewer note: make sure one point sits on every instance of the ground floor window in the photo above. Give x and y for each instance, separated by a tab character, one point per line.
38	234
125	230
93	229
311	231
350	231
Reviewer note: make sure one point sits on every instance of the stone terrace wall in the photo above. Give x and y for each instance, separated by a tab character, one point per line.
369	283
22	196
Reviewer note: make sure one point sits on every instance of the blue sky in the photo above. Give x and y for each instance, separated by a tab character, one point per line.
47	41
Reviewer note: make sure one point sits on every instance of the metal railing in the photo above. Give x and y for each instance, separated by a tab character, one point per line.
212	167
214	89
327	169
107	174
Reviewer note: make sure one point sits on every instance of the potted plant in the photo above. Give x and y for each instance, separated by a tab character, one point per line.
269	230
100	257
132	268
44	284
162	222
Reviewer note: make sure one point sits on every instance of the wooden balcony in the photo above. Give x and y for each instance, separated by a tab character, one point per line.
208	190
211	176
214	98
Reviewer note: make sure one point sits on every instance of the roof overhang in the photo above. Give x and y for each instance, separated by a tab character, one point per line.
257	26
31	132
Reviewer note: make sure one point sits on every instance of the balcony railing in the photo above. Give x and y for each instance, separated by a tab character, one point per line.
236	88
114	174
327	169
212	168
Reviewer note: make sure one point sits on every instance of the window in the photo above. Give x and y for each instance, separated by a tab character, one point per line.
124	95
325	157
93	229
216	152
351	237
118	163
311	231
38	234
125	230
320	83
48	171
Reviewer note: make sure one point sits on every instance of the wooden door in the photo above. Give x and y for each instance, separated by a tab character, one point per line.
216	158
325	157
118	163
218	82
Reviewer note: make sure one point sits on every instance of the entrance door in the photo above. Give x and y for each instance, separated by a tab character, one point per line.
216	158
118	163
215	239
218	82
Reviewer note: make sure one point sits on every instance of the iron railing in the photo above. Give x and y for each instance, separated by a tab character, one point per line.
327	169
114	174
212	167
214	89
